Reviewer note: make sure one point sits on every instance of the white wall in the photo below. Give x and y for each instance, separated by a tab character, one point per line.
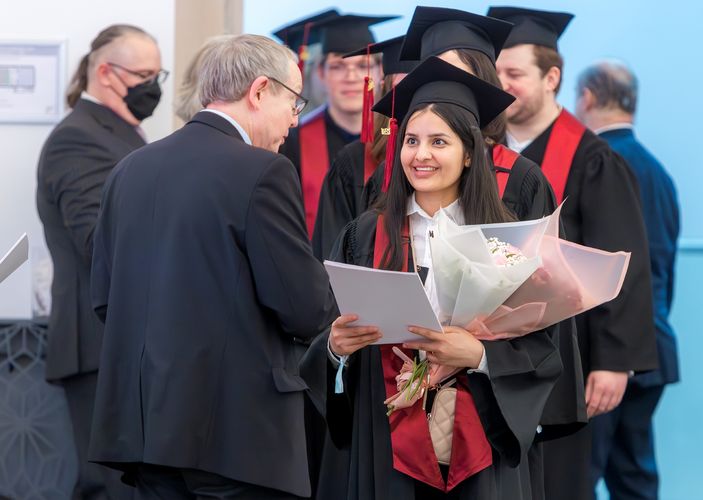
77	21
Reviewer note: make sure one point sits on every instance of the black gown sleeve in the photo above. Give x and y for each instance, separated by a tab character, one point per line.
339	198
528	192
372	189
354	245
510	401
621	332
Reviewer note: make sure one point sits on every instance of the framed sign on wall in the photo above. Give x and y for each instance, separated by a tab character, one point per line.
32	80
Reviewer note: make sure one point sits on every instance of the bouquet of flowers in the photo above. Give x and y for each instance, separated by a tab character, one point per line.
569	280
501	281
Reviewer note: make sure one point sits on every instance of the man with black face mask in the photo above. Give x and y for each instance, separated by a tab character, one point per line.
115	87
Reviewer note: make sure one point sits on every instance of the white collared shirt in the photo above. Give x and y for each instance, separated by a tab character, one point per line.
85	95
614	126
424	227
516	145
234	123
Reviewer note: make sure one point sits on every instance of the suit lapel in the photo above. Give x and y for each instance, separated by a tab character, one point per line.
109	120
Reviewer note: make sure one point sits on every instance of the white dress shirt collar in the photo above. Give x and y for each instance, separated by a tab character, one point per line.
85	95
234	123
614	126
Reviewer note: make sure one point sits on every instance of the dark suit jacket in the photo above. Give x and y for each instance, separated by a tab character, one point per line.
661	217
204	274
74	163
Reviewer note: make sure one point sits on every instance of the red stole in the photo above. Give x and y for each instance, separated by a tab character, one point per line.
413	453
503	158
314	163
561	148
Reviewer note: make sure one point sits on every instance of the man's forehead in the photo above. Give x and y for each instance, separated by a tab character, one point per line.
518	56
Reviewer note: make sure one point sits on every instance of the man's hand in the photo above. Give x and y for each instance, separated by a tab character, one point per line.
346	340
604	391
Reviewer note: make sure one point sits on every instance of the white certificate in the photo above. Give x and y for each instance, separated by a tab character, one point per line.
390	300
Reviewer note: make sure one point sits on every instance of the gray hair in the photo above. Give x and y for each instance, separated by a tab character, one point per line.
612	84
187	101
233	62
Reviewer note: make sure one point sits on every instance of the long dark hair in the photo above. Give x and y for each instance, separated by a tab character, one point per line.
79	82
478	190
483	67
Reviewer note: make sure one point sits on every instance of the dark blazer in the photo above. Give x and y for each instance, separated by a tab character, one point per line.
204	274
660	210
74	163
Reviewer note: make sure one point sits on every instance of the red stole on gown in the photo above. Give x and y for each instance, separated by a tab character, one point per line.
413	452
314	163
504	159
561	148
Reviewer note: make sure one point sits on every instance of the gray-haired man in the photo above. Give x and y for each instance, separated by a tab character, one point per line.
623	440
205	279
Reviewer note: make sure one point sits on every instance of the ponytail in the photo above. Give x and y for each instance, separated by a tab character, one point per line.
79	82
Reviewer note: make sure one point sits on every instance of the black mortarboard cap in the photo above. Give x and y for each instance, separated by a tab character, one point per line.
536	27
437	81
293	35
434	30
345	33
391	56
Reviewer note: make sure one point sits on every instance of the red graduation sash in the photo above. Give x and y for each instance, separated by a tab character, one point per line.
561	148
413	452
314	163
503	158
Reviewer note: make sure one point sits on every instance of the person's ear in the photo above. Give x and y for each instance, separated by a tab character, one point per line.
553	78
102	74
467	161
588	99
256	90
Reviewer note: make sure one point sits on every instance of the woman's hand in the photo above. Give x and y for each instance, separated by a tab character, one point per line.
454	347
346	340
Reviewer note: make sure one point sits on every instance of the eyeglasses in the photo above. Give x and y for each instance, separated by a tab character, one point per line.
147	76
300	101
339	69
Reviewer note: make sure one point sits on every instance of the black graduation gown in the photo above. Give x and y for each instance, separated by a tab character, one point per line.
357	459
340	198
529	196
602	211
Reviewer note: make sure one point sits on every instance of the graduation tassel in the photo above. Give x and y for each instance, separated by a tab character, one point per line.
303	54
367	113
392	133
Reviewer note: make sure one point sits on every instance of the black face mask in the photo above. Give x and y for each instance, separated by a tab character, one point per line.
142	99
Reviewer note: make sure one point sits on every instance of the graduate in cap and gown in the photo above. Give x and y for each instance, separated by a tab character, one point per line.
602	210
341	195
323	132
502	386
472	42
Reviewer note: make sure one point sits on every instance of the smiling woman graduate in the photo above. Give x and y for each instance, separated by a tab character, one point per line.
502	386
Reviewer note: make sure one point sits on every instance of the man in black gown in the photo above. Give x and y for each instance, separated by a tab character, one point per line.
602	210
313	145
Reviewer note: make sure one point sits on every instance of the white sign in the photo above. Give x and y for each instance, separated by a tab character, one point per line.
32	76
